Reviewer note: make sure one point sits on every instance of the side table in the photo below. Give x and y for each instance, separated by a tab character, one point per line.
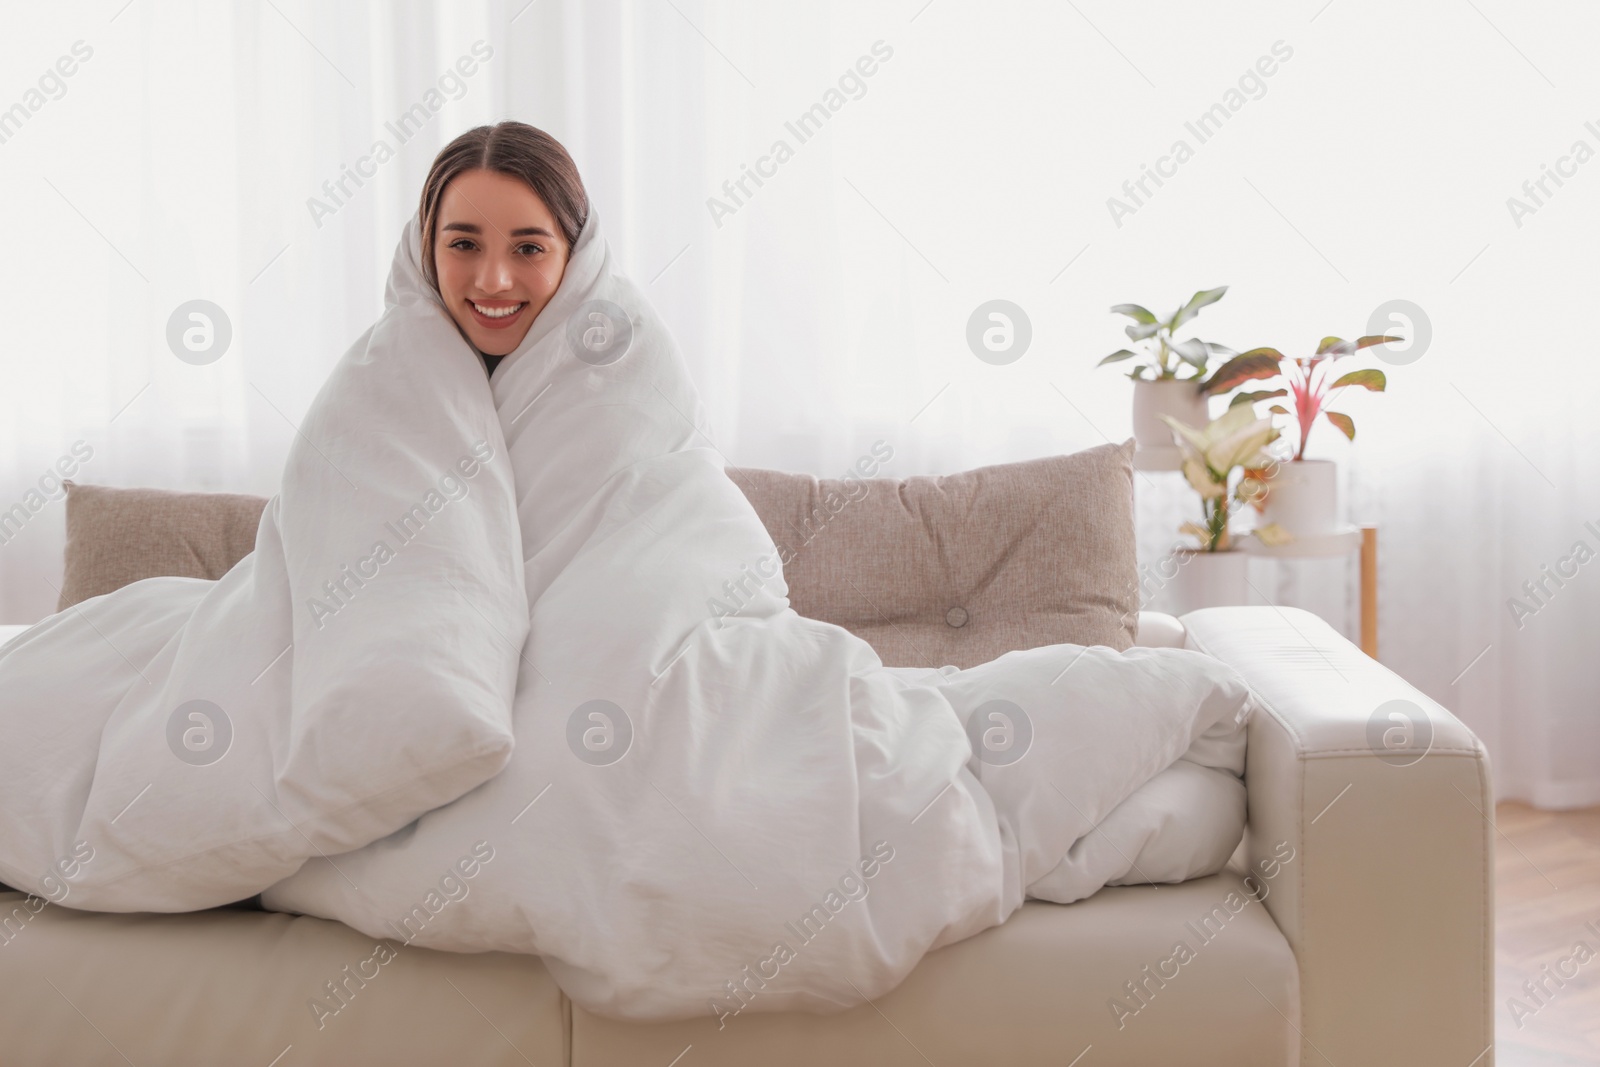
1341	542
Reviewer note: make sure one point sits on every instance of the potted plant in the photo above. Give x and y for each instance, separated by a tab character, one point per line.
1219	461
1301	497
1169	377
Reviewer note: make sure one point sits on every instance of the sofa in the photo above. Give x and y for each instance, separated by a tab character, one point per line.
1353	925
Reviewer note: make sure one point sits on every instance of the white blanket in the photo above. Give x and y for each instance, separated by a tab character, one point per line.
702	812
202	739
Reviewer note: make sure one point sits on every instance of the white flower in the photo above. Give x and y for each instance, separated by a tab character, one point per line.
1199	476
1237	439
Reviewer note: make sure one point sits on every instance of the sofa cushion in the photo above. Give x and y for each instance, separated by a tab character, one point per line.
1036	991
962	568
119	536
240	987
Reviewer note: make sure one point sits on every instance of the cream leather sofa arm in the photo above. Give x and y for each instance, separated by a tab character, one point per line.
1159	631
1384	799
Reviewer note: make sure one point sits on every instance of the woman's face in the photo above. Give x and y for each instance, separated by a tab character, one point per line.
499	257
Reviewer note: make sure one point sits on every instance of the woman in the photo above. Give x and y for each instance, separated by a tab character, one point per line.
501	210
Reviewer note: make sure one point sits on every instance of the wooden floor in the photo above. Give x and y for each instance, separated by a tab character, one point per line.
1547	888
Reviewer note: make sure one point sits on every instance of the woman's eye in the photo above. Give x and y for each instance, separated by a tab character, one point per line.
462	243
528	249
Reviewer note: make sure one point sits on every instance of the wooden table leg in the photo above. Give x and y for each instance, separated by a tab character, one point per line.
1369	590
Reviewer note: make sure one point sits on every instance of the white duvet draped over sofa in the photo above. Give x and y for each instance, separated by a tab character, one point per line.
471	691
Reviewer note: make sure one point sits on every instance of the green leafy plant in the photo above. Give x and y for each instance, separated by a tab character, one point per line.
1162	355
1307	380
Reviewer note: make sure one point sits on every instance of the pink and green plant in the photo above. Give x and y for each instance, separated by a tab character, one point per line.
1307	380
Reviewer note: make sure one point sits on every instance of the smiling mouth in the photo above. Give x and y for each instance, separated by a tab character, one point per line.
497	316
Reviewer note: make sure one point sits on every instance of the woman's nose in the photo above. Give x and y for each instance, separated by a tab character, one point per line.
495	276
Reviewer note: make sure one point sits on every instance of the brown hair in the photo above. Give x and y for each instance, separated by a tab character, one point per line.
512	148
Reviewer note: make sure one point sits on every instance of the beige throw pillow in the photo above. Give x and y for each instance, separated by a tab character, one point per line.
118	536
966	567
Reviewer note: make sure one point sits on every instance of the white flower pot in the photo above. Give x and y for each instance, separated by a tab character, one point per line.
1152	399
1208	580
1303	497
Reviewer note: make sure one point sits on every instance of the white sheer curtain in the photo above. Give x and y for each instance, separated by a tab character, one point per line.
177	163
829	307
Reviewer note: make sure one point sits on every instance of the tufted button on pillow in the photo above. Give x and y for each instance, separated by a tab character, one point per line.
956	616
